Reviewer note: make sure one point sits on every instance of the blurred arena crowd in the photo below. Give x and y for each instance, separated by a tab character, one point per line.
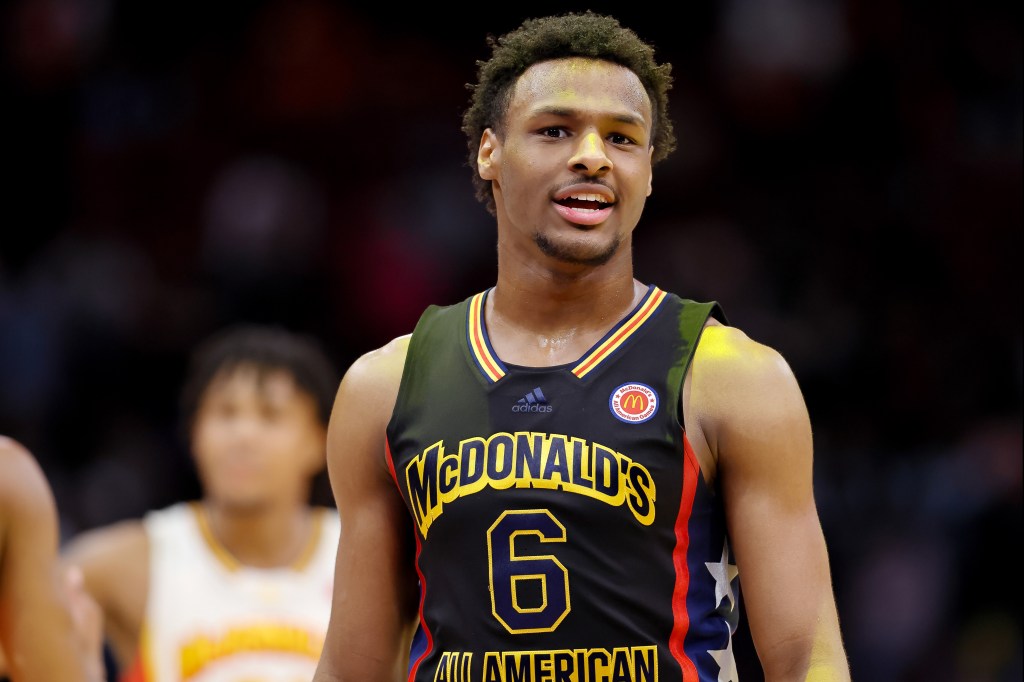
847	184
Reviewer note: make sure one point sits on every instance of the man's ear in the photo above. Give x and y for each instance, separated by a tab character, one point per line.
488	156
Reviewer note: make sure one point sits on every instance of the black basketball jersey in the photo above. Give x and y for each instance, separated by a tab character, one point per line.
564	531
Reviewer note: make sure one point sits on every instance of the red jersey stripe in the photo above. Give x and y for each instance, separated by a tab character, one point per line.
681	626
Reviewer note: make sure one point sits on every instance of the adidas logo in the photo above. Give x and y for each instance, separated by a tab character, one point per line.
534	401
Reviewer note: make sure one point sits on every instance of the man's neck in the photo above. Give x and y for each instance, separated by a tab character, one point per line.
265	537
546	321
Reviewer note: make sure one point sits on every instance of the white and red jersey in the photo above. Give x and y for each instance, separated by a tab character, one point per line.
211	619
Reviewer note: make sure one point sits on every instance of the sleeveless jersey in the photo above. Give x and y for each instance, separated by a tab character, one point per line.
210	619
563	528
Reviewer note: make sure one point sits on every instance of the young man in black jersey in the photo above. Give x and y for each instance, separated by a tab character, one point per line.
604	534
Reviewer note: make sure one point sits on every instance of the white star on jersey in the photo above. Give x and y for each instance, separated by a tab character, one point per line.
726	663
723	573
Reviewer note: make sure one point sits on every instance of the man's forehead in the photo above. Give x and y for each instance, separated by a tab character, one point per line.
578	81
273	380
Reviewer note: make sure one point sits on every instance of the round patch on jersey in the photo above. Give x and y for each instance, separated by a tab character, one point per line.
633	403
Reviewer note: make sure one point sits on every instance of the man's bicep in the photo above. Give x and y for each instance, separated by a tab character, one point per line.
766	463
356	433
754	414
375	586
34	615
374	603
114	565
30	534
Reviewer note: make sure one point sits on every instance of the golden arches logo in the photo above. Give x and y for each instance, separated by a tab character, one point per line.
633	403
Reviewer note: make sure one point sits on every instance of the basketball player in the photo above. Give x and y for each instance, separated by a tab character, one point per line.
579	468
234	586
50	629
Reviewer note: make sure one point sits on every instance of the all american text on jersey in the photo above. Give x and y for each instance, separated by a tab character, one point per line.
622	664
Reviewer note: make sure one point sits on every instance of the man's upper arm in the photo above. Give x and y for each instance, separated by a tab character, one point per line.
37	629
114	563
375	587
758	420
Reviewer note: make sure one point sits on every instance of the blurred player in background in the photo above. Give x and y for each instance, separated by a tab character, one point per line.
50	629
234	586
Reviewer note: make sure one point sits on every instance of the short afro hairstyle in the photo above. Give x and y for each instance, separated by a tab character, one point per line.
574	34
267	348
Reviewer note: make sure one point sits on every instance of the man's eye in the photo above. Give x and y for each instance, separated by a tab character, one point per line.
616	138
553	132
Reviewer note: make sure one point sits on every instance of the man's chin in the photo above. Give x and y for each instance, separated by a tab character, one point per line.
576	252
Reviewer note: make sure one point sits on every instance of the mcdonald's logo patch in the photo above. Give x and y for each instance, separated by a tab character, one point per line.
633	403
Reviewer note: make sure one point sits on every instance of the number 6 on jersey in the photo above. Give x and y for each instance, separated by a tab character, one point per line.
511	574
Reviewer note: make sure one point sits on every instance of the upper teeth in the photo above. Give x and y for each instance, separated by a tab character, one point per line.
588	197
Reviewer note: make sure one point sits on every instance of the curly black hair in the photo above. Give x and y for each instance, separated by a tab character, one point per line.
574	34
266	348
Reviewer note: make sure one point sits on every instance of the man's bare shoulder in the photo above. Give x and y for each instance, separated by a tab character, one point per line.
12	452
369	388
362	408
108	548
744	396
379	371
389	358
28	511
729	354
23	485
736	377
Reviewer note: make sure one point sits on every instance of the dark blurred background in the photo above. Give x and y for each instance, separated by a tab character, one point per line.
847	184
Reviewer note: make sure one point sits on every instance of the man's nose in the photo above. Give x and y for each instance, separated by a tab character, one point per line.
590	156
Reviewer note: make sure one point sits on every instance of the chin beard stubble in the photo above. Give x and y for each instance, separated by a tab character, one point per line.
567	254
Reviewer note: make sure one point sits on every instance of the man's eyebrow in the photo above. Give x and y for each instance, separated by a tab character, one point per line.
566	112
